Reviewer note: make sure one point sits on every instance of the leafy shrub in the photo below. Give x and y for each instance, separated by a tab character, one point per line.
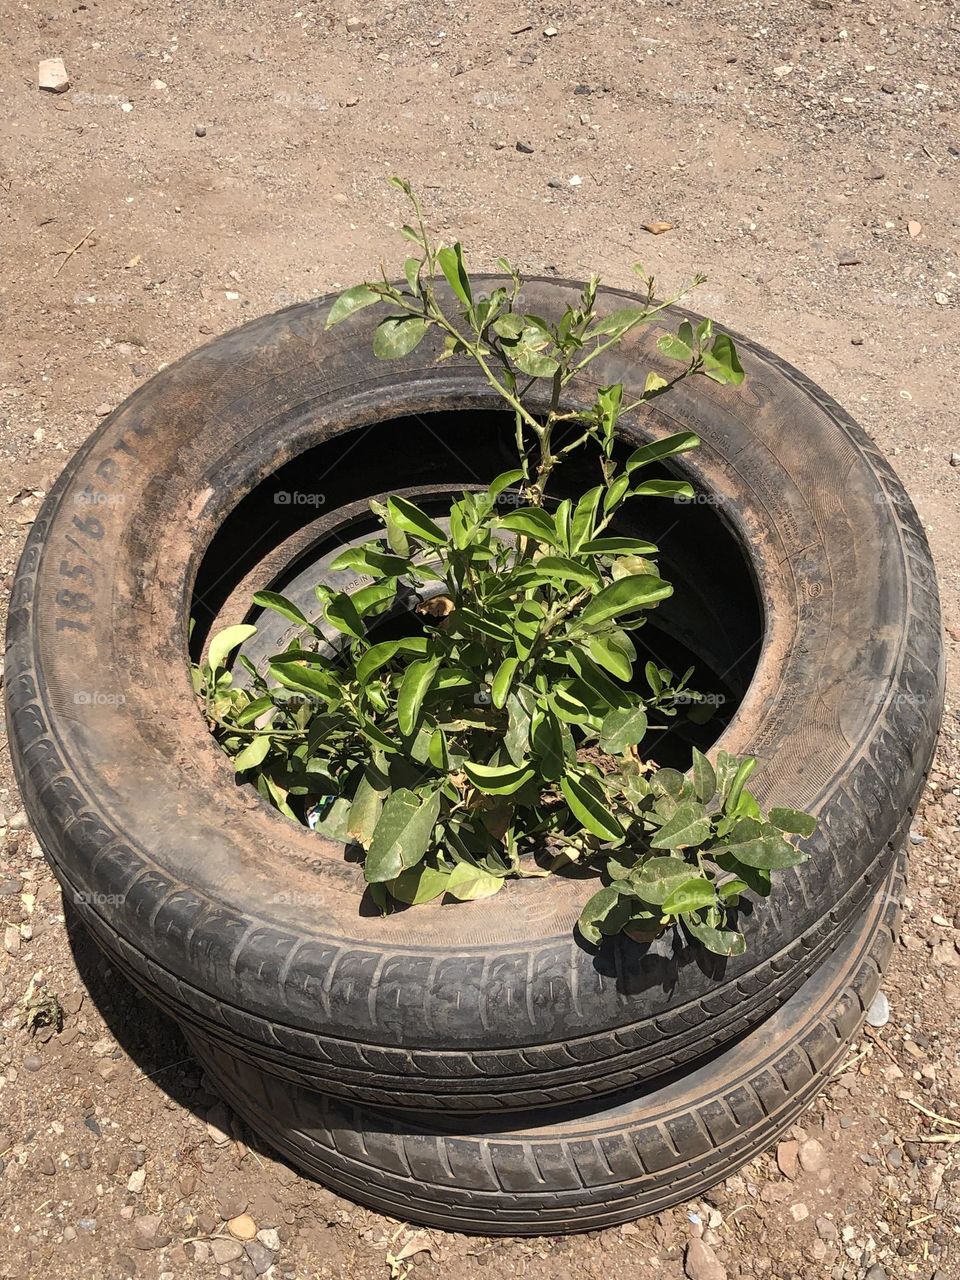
503	738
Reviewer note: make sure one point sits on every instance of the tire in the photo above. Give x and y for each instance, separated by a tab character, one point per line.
577	1169
251	931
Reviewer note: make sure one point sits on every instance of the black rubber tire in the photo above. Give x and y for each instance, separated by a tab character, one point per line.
577	1169
248	929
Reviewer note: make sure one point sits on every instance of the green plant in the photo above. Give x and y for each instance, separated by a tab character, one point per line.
502	737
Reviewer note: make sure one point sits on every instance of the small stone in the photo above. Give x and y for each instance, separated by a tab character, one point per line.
701	1263
47	1166
912	1151
798	1212
270	1239
136	1180
32	1062
225	1250
575	181
550	32
261	1257
888	87
19	821
11	939
218	1121
10	886
355	24
230	1205
102	410
945	955
159	85
878	1015
242	1227
826	1230
147	1233
955	459
876	1272
849	259
126	1267
525	148
52	76
556	183
940	298
894	1158
813	1158
200	131
787	1157
913	229
876	175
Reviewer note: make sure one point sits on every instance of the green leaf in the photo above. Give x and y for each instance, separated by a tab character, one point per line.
722	363
451	264
503	481
704	777
792	820
498	780
509	326
619	547
674	348
342	613
225	641
769	852
692	895
614	651
658	877
254	710
503	680
605	907
398	335
254	753
589	805
637	592
681	442
567	570
654	383
614	494
437	752
722	942
584	515
468	882
532	522
351	300
378	655
402	835
302	679
365	811
414	687
279	604
744	770
690	825
622	728
485	625
618	322
533	363
419	884
411	269
663	489
369	559
411	519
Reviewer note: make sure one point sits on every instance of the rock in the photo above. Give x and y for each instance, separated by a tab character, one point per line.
550	32
826	1230
888	87
525	148
876	175
894	1158
849	259
945	955
701	1263
10	886
47	1166
913	229
103	410
269	1238
798	1212
147	1233
218	1122
955	462
260	1256
876	1272
32	1063
19	821
355	24
225	1250
200	131
813	1158
230	1205
787	1156
878	1015
11	939
136	1180
242	1227
52	76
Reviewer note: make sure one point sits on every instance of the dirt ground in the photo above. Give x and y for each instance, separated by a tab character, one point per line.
214	161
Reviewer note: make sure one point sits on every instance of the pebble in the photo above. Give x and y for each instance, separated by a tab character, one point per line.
225	1250
701	1263
102	410
878	1015
355	24
19	821
147	1234
200	131
11	939
136	1180
126	1266
230	1206
9	886
525	148
218	1122
242	1227
894	1158
955	459
47	1166
260	1256
787	1155
798	1212
270	1239
876	1272
813	1158
849	259
52	76
826	1230
32	1063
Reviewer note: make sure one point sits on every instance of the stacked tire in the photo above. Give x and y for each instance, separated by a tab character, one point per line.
471	1066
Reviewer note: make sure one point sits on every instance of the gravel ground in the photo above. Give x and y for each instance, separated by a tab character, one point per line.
213	162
